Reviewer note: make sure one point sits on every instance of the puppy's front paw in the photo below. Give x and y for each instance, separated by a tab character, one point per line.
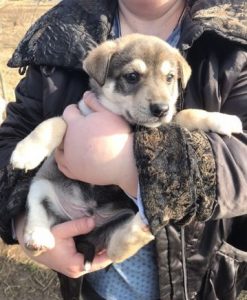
128	239
28	154
224	124
38	240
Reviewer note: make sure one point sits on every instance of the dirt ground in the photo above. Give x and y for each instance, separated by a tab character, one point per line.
23	280
19	277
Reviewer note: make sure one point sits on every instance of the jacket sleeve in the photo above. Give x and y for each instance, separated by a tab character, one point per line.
194	175
22	116
230	155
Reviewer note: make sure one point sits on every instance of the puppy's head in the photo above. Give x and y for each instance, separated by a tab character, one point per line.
136	76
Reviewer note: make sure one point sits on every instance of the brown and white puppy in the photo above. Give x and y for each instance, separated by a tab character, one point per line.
136	77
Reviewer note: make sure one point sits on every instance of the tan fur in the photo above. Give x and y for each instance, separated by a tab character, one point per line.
98	69
97	62
139	66
150	57
40	143
129	239
165	67
209	121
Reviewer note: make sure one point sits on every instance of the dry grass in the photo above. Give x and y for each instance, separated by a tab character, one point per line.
15	18
21	279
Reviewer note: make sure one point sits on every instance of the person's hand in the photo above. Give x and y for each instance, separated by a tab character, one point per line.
98	148
64	258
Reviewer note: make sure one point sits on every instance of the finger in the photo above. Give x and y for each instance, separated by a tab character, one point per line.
73	228
59	156
62	168
60	148
101	261
61	163
71	112
92	102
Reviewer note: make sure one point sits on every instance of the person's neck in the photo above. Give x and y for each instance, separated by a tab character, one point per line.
157	19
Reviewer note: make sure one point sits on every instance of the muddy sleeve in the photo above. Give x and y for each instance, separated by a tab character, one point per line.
194	175
176	174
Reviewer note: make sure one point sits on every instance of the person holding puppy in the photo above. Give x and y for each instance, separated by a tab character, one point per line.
189	186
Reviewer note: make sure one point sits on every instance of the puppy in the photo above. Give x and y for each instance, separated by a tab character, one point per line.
136	77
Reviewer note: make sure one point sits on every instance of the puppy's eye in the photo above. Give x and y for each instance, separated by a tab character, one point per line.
169	77
132	77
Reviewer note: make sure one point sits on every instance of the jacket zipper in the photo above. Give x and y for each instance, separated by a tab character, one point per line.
184	264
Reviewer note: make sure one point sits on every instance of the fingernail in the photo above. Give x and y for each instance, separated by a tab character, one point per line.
86	94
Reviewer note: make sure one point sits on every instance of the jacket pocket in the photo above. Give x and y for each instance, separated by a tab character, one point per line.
227	274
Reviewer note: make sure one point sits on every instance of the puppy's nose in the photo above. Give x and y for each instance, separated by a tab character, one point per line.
159	109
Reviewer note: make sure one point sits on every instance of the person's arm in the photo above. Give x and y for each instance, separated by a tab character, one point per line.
98	148
194	175
22	116
64	257
181	175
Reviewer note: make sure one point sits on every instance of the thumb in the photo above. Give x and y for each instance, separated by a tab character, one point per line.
73	228
92	102
71	112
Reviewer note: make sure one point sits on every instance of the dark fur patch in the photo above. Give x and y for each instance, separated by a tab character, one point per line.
50	212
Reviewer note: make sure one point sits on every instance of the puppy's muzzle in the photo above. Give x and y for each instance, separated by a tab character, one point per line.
159	110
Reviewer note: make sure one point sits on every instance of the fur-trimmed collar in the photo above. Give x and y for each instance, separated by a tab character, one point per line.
227	18
63	36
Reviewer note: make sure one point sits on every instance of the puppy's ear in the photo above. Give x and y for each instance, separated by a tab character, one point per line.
184	70
98	60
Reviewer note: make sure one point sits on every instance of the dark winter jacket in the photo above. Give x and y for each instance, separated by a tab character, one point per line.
197	180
